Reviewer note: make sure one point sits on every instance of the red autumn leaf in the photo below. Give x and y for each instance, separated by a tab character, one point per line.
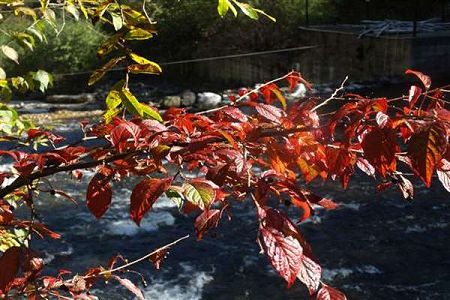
15	155
365	166
145	194
406	187
270	112
305	206
414	94
382	119
328	204
34	133
338	159
426	80
234	113
208	219
425	149
9	267
122	132
284	252
310	274
130	286
294	78
328	293
443	173
99	192
380	147
271	93
158	256
40	229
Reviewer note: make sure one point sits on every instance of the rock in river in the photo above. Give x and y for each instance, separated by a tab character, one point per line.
208	100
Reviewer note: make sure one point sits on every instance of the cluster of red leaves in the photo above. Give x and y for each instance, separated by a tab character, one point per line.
259	147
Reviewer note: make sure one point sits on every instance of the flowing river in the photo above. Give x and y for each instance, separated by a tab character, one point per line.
374	246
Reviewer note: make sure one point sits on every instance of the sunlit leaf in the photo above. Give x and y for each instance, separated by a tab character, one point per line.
10	53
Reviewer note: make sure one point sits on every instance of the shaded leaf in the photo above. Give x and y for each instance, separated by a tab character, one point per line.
145	194
157	257
138	34
380	147
9	267
425	149
208	219
99	192
122	132
426	80
99	73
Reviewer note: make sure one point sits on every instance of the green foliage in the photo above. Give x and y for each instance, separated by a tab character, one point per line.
201	33
72	50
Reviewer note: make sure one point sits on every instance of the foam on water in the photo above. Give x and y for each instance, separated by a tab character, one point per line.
340	273
151	222
191	288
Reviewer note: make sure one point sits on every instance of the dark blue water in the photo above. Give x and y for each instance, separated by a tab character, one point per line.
375	246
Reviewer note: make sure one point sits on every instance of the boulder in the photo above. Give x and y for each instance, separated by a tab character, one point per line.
188	98
171	101
208	100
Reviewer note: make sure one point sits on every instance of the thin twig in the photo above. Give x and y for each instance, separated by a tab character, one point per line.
143	257
332	96
243	97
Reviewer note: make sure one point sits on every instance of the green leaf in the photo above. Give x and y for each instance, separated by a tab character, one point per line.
113	99
44	3
71	9
99	73
152	68
111	113
199	193
131	103
44	79
37	34
150	113
83	9
108	45
248	10
138	34
26	11
25	39
139	59
223	7
261	12
10	53
176	197
117	21
144	65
